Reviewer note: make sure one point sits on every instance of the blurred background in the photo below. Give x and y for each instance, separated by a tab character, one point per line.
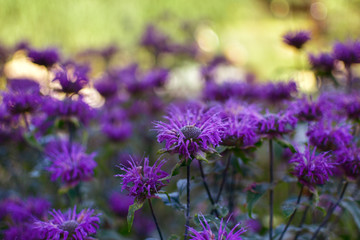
248	32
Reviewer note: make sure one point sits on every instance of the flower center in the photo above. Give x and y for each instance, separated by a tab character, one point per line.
69	226
190	132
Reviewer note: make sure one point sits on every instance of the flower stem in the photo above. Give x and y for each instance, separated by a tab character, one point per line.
223	178
293	214
155	220
205	183
26	122
330	212
207	189
187	201
349	78
303	218
271	197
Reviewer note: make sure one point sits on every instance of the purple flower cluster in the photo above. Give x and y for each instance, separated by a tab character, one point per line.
72	78
322	64
141	180
273	125
297	39
70	162
312	169
221	234
347	52
326	137
116	125
308	110
69	225
190	130
46	57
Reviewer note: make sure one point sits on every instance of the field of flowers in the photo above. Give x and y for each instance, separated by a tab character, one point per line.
94	148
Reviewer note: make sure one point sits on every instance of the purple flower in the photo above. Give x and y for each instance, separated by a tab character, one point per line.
116	125
142	181
347	52
326	137
221	234
322	64
106	86
69	225
21	232
70	162
23	96
349	159
275	92
240	124
119	203
308	110
312	169
47	57
273	125
297	39
351	105
72	78
156	41
68	109
190	131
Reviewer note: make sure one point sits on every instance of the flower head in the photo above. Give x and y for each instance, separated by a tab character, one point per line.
347	52
349	160
312	169
222	233
322	64
116	125
308	110
351	105
275	92
70	162
142	181
106	86
240	124
190	131
273	125
47	57
327	137
23	96
72	78
69	225
297	39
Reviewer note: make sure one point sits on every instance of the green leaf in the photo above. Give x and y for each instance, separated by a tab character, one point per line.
31	140
172	200
132	209
175	170
285	144
239	153
222	210
181	185
321	209
201	156
254	194
288	207
354	210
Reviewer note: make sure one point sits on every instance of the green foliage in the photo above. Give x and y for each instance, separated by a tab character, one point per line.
353	208
254	194
138	204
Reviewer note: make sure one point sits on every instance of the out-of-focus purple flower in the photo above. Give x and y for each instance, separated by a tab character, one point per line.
68	109
19	215
275	92
349	159
72	78
69	225
221	234
156	77
143	226
347	52
190	130
253	225
351	105
312	169
46	57
70	162
326	137
307	110
322	64
116	125
273	125
106	86
141	180
23	96
119	203
207	72
297	39
240	124
156	41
